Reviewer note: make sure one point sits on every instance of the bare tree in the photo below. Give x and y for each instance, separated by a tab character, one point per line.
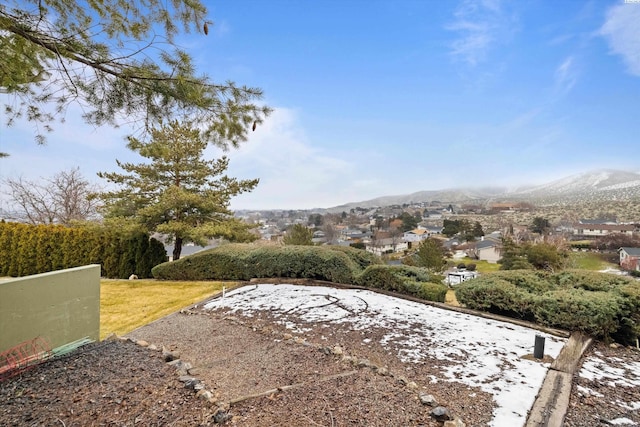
60	199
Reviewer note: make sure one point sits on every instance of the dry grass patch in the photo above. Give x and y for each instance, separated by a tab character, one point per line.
128	304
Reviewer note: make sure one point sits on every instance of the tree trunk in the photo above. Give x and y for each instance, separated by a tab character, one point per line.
177	248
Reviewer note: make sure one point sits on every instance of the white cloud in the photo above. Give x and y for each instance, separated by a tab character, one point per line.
565	76
293	173
480	25
622	31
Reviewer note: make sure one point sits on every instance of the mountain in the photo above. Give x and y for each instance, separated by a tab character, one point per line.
597	185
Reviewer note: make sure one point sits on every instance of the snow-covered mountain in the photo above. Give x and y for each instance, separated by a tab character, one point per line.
595	181
599	185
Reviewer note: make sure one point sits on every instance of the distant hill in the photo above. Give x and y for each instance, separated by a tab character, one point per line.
599	185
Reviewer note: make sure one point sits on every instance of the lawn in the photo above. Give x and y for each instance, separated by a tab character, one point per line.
481	266
128	304
589	261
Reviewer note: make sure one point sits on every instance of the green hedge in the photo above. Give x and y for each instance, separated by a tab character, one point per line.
603	305
31	249
336	264
404	279
244	262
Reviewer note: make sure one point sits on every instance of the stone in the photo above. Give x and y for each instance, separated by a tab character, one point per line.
189	381
363	363
169	356
153	347
182	368
412	385
133	277
205	395
441	413
456	422
287	336
428	399
142	343
221	417
337	350
383	371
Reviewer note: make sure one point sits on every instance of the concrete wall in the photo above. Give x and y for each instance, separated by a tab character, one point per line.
61	306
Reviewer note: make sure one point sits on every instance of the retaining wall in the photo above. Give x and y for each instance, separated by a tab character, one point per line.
61	306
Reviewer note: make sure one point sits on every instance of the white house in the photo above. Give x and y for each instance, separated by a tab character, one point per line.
383	246
416	235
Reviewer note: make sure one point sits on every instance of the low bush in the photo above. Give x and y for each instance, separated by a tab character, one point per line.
404	279
495	295
244	262
603	305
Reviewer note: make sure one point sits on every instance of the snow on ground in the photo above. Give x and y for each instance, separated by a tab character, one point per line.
623	374
488	353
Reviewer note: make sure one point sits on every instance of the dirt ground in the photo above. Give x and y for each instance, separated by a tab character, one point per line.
260	375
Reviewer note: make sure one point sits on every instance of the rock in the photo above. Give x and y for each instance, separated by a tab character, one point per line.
205	395
441	413
182	368
142	343
614	345
325	350
412	385
133	277
169	356
428	399
221	417
456	422
337	350
287	336
383	371
363	363
189	381
153	347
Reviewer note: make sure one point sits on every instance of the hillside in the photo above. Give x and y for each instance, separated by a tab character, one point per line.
595	186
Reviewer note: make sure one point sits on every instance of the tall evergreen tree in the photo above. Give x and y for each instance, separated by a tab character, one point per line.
178	194
298	235
431	255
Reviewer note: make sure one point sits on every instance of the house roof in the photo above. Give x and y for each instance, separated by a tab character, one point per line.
484	244
631	251
613	227
418	231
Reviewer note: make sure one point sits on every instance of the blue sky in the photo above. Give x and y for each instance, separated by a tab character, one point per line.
377	98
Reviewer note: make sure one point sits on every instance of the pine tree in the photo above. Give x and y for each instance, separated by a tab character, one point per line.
119	60
177	194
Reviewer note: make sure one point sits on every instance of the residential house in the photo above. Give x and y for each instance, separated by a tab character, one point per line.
486	250
416	235
629	258
389	245
597	230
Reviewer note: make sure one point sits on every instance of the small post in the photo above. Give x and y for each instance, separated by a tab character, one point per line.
538	349
224	289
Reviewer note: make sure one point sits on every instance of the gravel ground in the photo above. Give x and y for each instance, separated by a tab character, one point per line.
606	391
258	374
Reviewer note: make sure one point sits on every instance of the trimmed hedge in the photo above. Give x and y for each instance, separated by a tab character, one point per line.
603	305
404	279
337	264
244	262
31	249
